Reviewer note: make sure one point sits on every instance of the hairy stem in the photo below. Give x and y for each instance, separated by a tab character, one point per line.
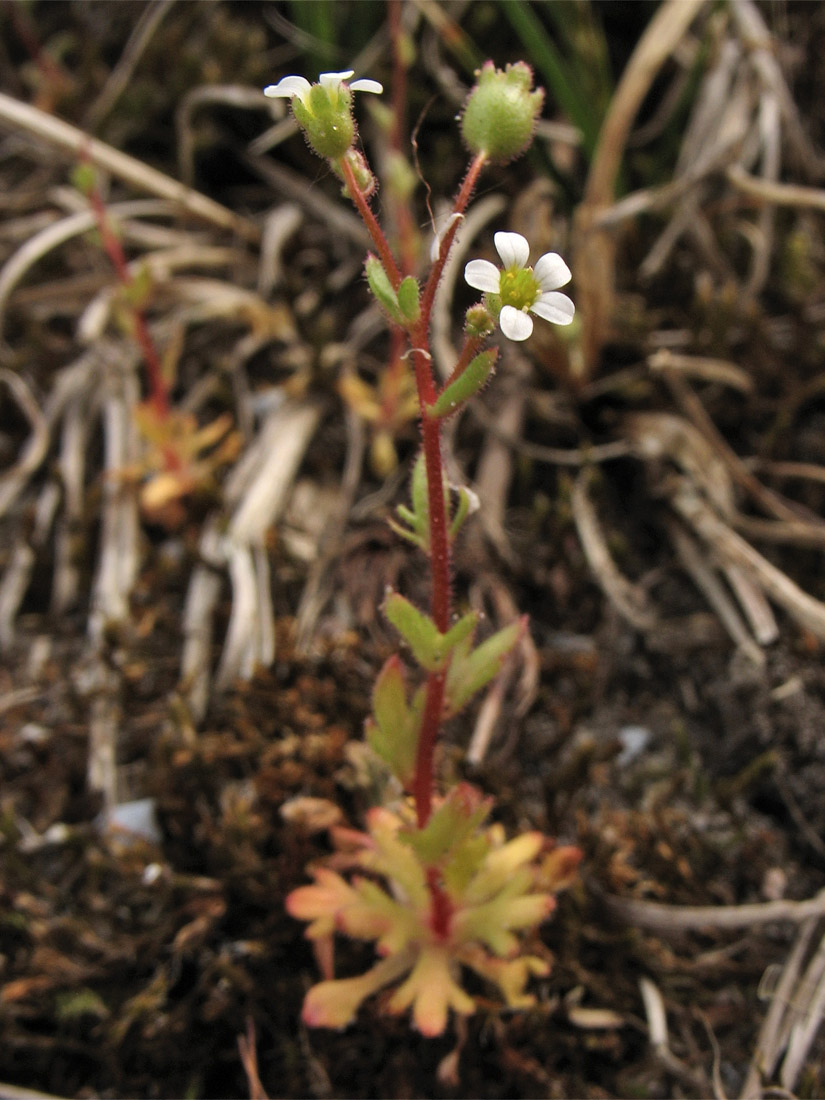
370	221
441	604
460	205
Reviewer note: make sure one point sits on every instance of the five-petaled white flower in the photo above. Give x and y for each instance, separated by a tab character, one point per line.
289	86
521	288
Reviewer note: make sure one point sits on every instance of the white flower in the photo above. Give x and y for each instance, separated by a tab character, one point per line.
289	86
522	288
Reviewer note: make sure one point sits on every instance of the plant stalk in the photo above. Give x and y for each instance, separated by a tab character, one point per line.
441	604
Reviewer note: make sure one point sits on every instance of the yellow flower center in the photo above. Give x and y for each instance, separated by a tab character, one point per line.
518	287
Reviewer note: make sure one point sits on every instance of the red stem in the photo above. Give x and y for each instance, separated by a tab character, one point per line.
422	785
158	390
375	230
463	197
437	507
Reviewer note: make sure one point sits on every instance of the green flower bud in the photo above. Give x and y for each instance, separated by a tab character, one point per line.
478	321
363	176
501	112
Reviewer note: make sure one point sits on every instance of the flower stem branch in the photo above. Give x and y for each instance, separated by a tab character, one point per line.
371	222
464	194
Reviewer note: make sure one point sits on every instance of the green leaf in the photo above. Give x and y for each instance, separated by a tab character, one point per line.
408	299
451	825
393	732
430	647
389	697
467	384
467	503
382	289
418	490
459	632
471	671
417	629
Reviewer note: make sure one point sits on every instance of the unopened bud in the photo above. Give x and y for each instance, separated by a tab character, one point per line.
501	112
479	321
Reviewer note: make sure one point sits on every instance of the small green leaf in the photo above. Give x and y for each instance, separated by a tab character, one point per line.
408	299
393	732
418	489
453	823
457	633
382	289
467	384
471	671
417	629
430	647
467	503
84	177
407	534
389	697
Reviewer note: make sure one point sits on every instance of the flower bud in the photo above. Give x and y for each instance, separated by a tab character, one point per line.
501	112
366	181
478	321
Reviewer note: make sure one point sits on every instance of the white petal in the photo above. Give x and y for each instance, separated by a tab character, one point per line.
334	79
287	87
514	324
363	85
551	271
554	307
482	275
513	249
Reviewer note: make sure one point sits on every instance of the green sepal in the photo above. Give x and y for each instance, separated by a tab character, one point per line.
467	385
409	299
394	729
382	289
471	670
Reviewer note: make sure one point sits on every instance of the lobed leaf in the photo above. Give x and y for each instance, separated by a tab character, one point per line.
417	629
471	671
393	733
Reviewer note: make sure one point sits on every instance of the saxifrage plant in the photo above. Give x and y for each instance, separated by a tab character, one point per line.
436	887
